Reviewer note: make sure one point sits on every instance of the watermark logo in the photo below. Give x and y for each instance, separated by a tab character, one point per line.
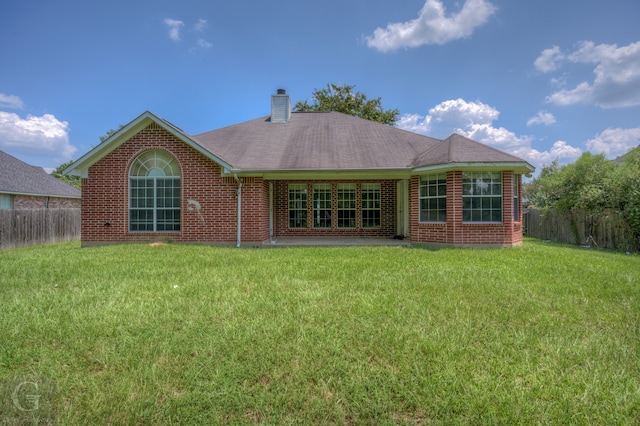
26	396
27	401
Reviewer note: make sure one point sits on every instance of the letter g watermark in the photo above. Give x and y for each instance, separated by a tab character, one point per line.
26	396
27	401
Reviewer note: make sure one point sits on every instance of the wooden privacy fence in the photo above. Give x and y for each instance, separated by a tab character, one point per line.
604	230
19	228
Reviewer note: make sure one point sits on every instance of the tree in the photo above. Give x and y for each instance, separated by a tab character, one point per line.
109	133
75	180
343	99
71	180
591	183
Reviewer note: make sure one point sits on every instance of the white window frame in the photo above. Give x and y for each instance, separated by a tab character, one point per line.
347	205
371	205
6	201
482	197
433	198
322	195
297	205
155	192
516	199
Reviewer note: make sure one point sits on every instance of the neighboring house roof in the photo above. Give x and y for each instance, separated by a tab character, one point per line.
320	142
18	177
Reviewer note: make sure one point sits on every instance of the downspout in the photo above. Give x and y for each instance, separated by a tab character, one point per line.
271	213
239	197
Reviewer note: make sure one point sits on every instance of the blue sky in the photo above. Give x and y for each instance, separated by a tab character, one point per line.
543	80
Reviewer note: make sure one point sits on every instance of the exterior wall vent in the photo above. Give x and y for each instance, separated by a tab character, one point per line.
280	107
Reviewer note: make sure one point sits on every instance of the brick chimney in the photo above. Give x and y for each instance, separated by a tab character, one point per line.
280	107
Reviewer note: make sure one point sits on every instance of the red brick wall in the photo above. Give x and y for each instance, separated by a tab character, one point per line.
456	233
105	197
31	202
105	200
387	211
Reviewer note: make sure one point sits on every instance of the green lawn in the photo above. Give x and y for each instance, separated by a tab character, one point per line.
180	334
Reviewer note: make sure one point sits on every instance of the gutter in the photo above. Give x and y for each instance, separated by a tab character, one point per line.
239	197
519	167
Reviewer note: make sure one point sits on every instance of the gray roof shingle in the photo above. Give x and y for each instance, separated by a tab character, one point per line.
335	141
459	149
315	141
18	177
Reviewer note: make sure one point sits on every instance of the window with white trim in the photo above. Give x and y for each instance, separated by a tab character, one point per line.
516	199
154	193
433	198
370	205
297	205
6	201
322	205
346	205
482	197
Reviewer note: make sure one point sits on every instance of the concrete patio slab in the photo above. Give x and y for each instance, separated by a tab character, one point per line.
335	241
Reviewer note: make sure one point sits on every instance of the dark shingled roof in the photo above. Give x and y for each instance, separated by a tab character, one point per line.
336	141
460	149
315	141
18	177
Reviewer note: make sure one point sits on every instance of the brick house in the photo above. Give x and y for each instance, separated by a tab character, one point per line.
23	186
295	174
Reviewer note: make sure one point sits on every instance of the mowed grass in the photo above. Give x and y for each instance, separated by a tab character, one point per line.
180	334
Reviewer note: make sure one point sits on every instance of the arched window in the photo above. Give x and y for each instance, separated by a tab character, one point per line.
154	193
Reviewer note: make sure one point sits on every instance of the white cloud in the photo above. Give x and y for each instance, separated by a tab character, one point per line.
415	123
549	59
542	118
581	93
614	142
11	101
204	44
560	150
43	136
433	26
174	28
475	120
200	25
617	76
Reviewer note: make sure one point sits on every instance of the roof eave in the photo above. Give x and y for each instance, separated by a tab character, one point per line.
35	194
519	167
292	174
81	166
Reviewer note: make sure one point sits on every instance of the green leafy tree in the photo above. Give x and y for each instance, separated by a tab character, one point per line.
109	133
624	188
343	99
75	180
542	192
592	183
71	180
580	185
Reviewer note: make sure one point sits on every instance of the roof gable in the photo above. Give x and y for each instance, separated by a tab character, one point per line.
18	177
81	166
460	150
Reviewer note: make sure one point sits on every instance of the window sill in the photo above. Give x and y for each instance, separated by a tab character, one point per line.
154	232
